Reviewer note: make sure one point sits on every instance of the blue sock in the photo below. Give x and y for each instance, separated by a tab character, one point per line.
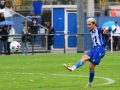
79	63
91	76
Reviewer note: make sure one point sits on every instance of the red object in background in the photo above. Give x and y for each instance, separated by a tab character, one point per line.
113	14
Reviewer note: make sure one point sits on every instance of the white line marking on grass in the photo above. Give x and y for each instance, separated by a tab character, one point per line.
109	81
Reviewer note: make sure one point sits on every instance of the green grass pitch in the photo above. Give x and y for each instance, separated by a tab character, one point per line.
46	72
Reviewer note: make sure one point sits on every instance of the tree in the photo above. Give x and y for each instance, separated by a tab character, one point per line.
26	2
96	1
17	2
9	4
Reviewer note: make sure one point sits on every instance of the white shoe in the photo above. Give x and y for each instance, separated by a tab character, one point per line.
71	68
88	86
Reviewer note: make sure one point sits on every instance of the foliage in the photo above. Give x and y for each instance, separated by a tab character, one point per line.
21	2
9	4
26	2
17	2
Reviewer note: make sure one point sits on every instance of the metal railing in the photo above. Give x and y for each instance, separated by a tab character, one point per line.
42	43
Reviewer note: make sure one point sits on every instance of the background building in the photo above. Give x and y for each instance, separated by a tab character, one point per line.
63	17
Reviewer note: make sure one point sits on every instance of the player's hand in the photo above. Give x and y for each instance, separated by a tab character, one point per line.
105	29
45	36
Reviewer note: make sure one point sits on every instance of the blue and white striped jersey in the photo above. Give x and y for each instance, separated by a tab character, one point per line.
98	37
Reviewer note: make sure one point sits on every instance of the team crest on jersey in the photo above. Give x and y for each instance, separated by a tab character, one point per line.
94	31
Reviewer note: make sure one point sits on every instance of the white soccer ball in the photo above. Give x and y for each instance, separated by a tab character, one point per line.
14	46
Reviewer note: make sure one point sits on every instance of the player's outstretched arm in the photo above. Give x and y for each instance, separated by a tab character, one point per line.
105	29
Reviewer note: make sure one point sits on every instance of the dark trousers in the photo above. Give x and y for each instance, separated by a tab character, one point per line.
50	43
4	45
0	47
115	42
8	47
33	39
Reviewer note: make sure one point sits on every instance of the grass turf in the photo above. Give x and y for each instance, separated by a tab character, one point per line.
45	72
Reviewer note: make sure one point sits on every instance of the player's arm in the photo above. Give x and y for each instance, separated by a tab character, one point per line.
105	29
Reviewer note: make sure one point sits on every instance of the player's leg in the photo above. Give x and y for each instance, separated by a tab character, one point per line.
82	61
91	74
98	53
78	64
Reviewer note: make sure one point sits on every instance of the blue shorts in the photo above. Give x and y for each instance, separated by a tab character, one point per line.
96	53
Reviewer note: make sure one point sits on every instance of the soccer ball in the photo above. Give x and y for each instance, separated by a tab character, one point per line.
14	46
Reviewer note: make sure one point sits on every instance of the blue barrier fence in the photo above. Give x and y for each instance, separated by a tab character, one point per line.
100	20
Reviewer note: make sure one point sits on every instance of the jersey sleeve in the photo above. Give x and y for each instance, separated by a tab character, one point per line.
100	28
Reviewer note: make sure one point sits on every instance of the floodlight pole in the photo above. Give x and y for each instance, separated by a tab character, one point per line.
80	26
31	7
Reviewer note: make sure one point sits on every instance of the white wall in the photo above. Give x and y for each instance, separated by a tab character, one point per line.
90	8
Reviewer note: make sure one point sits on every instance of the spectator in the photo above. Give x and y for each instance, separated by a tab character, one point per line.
50	37
10	38
2	5
4	33
25	39
2	18
108	40
33	30
0	42
28	25
116	34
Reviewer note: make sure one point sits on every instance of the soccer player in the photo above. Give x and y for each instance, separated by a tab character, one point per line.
96	53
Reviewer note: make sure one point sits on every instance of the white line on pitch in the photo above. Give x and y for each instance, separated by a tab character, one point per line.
109	81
